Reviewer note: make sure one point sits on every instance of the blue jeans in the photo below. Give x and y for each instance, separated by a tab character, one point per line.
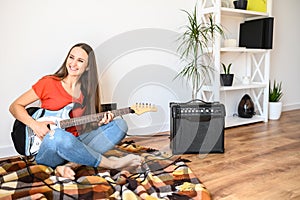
87	149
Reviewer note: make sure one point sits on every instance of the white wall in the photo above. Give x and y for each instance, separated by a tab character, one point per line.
134	44
285	56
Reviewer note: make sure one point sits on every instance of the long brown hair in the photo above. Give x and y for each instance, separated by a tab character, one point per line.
89	80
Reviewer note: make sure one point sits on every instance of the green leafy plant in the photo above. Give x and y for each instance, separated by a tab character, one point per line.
226	69
275	92
196	49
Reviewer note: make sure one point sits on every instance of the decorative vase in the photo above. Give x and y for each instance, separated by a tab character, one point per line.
240	4
275	109
226	79
246	107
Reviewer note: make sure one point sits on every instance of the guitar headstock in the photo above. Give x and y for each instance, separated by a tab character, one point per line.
140	108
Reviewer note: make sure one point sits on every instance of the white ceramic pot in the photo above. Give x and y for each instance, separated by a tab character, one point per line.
275	109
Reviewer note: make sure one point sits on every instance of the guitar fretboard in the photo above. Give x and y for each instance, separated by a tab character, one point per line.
92	118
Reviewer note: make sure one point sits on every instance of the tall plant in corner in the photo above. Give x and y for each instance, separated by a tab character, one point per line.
195	47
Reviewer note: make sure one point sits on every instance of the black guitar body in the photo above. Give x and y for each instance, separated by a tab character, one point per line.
18	133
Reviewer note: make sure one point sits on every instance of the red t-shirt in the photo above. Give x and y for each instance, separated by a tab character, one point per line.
54	97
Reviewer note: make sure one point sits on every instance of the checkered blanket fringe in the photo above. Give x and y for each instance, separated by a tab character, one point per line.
160	177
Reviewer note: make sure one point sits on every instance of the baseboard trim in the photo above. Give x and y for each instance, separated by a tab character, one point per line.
149	130
294	106
7	151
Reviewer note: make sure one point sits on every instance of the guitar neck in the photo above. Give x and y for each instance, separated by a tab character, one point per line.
92	118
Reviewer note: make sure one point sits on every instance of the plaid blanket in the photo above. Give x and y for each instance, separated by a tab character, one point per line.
160	177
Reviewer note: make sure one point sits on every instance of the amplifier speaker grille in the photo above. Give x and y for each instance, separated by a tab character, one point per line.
197	128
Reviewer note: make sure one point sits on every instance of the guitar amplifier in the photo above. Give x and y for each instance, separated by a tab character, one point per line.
197	127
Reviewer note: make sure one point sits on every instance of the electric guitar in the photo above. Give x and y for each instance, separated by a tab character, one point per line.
27	143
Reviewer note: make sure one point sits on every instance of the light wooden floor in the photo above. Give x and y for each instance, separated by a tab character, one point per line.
261	161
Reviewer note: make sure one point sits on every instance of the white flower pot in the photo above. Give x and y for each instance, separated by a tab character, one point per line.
275	109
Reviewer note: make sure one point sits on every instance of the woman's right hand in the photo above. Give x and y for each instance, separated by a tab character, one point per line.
17	109
41	128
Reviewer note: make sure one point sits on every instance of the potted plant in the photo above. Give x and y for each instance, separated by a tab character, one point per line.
196	46
275	105
226	79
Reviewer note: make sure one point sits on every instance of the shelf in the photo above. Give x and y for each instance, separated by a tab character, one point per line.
243	86
242	50
253	63
237	87
231	121
242	13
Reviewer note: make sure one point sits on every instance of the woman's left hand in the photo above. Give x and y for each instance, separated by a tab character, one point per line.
108	117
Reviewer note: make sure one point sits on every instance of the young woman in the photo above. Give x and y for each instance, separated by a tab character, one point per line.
76	81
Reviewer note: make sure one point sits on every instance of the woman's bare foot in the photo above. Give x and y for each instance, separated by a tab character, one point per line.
127	162
130	162
65	171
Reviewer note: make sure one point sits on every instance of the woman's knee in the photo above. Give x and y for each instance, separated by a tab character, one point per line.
121	124
119	129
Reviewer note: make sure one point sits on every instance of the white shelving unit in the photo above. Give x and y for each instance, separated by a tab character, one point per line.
253	63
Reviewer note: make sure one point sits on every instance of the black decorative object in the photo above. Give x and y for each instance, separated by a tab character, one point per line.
226	79
240	4
246	107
